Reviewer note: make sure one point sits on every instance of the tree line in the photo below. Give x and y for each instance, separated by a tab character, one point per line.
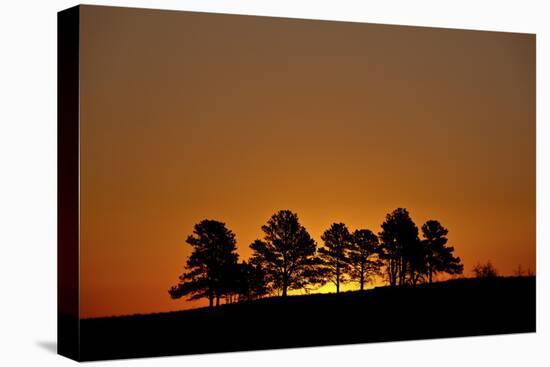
288	258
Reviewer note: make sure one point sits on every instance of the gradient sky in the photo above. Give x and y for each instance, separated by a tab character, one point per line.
186	116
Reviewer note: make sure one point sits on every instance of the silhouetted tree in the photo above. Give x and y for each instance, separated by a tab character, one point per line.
485	270
401	249
287	252
335	263
363	256
211	265
439	256
251	281
416	256
233	282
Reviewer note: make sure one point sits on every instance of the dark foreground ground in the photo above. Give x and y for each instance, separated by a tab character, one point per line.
449	309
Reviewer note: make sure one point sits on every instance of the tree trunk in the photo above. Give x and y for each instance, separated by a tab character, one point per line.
285	279
402	271
392	272
395	272
362	280
399	271
217	301
211	301
337	277
285	284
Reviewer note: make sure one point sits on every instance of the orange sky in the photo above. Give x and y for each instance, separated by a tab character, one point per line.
186	116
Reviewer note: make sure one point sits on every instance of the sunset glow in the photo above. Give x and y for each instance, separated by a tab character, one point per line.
187	116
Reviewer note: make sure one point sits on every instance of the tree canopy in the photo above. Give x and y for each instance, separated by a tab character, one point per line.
439	256
287	253
335	262
486	270
400	248
210	265
363	256
287	258
249	282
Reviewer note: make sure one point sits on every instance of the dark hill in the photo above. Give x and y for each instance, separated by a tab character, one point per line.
454	308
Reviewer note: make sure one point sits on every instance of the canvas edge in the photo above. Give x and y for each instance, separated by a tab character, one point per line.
68	294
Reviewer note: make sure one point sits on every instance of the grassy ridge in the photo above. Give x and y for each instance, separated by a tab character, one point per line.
453	308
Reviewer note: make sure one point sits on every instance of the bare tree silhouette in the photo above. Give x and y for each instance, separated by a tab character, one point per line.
519	272
287	253
210	265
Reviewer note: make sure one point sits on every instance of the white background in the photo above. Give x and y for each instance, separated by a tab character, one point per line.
28	182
